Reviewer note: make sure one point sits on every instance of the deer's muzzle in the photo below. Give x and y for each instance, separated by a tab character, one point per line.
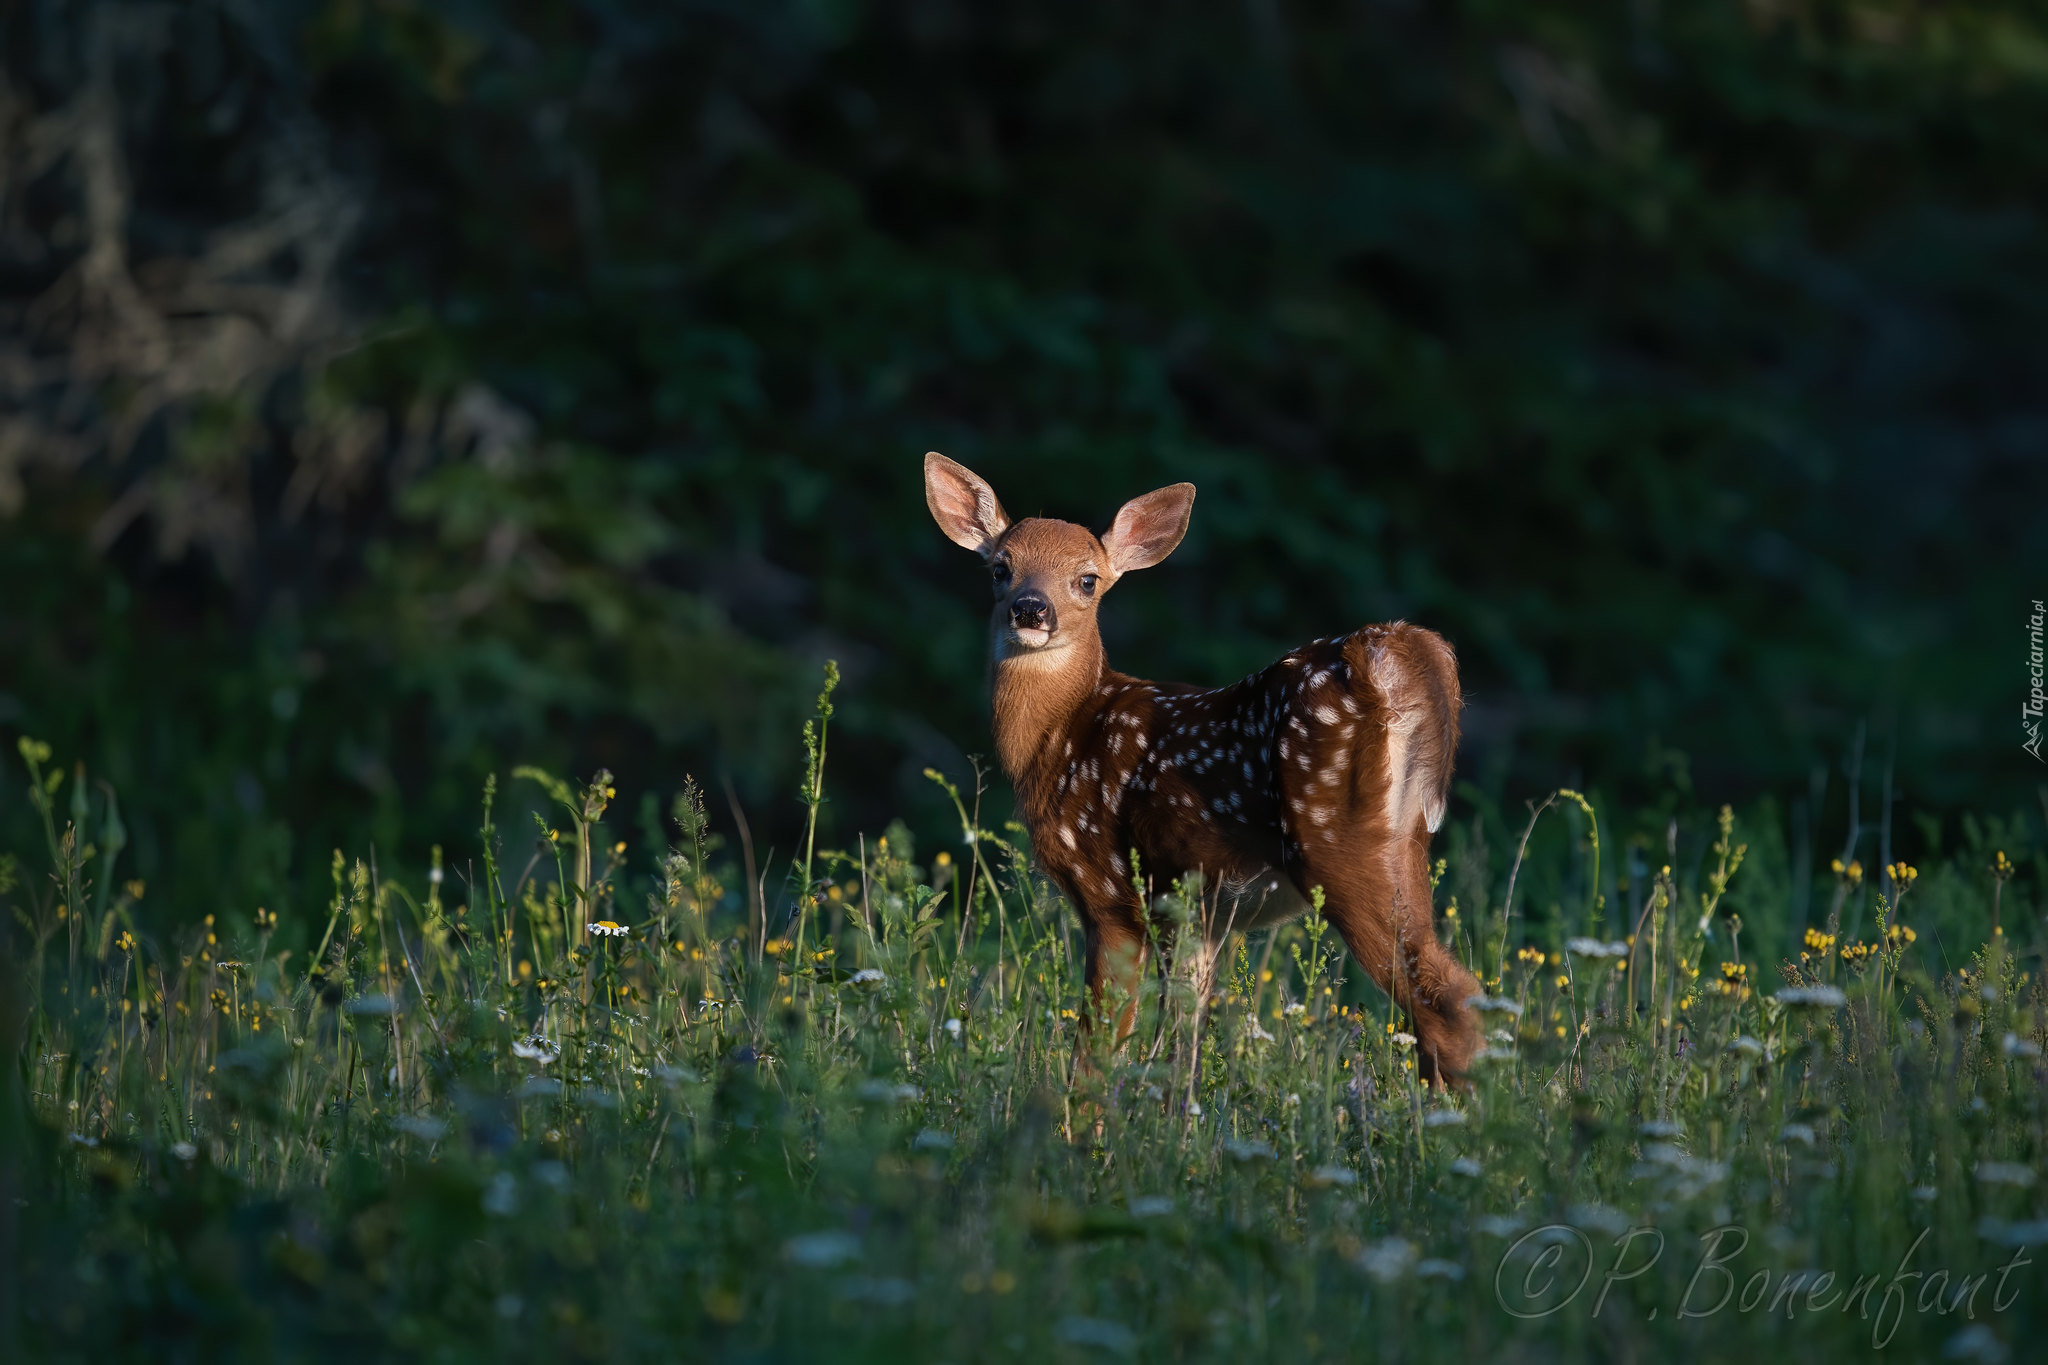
1032	619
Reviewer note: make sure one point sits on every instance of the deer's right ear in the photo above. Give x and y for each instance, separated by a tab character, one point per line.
1147	529
963	504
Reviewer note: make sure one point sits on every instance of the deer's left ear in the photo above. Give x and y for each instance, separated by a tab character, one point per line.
963	504
1148	528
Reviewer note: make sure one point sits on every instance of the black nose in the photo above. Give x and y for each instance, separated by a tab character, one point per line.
1030	612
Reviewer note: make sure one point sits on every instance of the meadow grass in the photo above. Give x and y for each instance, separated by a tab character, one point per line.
567	1110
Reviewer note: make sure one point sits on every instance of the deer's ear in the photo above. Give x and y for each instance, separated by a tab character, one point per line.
1148	528
963	504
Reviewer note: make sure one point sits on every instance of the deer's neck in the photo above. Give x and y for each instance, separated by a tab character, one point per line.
1036	699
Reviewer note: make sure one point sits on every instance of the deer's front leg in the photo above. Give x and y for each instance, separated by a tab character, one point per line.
1116	947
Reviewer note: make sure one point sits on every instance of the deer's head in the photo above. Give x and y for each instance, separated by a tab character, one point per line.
1050	575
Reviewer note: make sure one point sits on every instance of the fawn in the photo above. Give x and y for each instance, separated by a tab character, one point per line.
1329	769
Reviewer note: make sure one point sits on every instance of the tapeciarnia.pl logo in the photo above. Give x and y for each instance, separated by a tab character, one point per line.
2030	713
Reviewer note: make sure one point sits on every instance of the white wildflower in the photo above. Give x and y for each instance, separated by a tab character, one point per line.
2005	1173
1598	1218
537	1049
1387	1260
501	1197
1812	997
821	1250
1113	1337
2032	1232
888	1092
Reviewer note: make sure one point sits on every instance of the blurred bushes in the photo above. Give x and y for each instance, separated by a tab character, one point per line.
393	391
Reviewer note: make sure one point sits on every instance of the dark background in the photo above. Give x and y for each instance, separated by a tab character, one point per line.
391	393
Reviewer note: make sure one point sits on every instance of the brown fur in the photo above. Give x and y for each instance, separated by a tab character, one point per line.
1329	768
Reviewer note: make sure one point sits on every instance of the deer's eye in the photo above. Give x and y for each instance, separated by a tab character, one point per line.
1087	585
999	572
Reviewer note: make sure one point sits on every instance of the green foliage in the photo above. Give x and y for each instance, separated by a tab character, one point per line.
459	1132
521	378
386	388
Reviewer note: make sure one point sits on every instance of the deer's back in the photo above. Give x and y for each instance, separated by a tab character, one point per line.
1342	741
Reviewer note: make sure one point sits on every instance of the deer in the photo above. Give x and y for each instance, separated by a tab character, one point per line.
1324	774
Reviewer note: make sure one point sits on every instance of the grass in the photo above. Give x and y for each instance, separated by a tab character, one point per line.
459	1117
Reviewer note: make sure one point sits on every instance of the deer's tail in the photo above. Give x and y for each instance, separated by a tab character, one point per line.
1414	678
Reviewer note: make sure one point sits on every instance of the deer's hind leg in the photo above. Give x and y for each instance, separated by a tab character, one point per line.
1380	903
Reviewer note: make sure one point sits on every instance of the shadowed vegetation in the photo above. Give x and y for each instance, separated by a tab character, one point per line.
392	391
566	1097
432	384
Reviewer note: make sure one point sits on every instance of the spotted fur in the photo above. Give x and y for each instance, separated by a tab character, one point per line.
1329	768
